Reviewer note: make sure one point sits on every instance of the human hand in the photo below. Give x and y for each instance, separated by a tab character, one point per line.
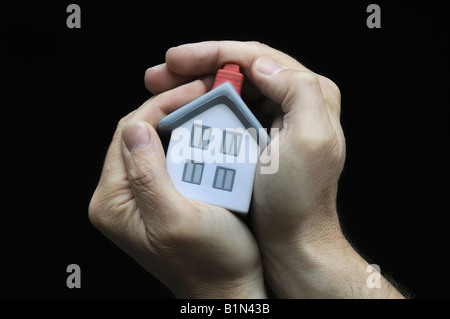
195	249
293	214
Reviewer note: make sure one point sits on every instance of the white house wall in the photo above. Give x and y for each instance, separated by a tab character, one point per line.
220	118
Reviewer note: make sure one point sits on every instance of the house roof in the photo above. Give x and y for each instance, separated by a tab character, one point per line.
224	93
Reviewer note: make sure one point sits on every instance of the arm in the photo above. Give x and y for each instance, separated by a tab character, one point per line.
326	268
294	216
184	243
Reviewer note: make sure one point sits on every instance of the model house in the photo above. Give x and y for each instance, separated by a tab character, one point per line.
214	148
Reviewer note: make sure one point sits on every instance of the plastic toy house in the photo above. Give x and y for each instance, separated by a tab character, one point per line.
214	148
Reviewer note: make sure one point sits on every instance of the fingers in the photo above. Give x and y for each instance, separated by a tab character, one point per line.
300	95
158	78
191	60
186	61
207	57
152	111
136	159
146	170
312	101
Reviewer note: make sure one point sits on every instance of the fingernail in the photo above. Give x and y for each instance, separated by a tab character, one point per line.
135	135
156	67
181	46
267	66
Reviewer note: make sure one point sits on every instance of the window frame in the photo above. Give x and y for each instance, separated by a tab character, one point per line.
203	128
222	186
236	147
193	173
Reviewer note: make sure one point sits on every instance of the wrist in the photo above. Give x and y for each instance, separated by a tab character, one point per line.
303	266
285	222
315	270
250	287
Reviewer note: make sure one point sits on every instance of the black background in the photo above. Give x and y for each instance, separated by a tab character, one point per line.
63	92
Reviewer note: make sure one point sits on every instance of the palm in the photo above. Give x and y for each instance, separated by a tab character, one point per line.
227	235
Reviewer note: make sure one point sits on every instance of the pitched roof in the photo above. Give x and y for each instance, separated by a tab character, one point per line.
224	93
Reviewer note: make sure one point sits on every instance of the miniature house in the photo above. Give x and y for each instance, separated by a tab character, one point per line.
214	148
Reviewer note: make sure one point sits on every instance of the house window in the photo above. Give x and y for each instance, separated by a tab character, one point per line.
224	178
193	172
200	136
231	143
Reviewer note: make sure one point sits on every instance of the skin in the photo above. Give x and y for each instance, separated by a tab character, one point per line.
199	250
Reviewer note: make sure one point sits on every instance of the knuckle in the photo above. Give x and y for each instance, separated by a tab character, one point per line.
330	88
122	122
120	125
125	120
305	78
315	143
321	148
144	177
106	211
147	183
95	210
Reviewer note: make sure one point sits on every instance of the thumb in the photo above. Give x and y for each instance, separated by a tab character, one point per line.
146	170
297	91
